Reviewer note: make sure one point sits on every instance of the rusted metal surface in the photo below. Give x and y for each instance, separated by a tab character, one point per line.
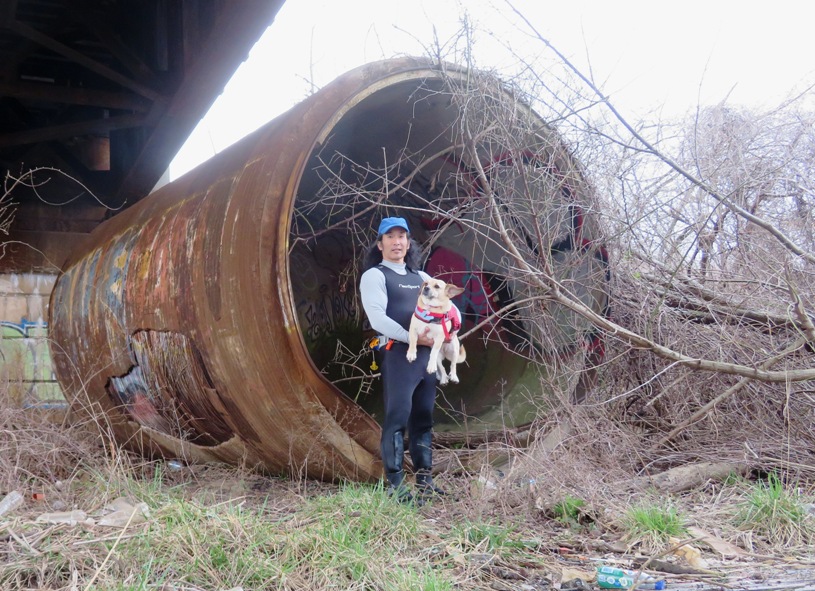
198	318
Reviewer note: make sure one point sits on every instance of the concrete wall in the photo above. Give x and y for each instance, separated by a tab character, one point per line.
25	358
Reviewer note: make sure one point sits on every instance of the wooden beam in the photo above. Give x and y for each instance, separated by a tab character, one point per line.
57	132
75	96
34	35
126	56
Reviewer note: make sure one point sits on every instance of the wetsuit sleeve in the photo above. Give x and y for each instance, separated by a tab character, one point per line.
374	296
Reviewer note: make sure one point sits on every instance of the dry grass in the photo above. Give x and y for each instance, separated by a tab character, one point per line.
35	452
216	527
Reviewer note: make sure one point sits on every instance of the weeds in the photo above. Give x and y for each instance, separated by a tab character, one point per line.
216	528
487	537
346	540
352	536
776	513
651	526
569	510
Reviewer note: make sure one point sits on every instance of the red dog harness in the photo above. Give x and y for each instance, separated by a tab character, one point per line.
429	317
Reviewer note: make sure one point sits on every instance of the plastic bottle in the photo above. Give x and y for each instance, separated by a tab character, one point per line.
10	502
174	465
609	577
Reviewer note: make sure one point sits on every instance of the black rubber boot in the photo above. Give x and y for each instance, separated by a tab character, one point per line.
395	475
421	451
397	489
426	487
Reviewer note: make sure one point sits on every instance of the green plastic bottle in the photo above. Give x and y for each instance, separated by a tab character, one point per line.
609	577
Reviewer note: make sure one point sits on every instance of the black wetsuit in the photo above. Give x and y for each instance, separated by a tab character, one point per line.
409	391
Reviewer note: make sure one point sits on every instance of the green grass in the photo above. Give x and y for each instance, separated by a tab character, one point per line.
354	537
651	525
225	534
486	538
208	546
345	540
569	510
351	534
776	513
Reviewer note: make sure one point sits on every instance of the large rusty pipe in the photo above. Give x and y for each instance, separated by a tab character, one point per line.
193	321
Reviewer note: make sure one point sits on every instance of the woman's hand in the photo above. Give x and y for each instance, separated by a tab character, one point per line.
425	340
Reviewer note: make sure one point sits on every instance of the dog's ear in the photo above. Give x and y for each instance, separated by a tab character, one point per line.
453	290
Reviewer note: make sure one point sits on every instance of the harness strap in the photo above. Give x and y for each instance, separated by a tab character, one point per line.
441	317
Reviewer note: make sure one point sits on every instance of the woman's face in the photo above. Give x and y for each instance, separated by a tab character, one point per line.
394	245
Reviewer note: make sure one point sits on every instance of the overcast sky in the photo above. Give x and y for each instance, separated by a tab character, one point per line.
647	54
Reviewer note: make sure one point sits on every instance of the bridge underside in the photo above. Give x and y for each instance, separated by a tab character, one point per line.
96	99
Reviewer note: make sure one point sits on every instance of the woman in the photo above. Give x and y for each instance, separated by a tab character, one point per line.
389	288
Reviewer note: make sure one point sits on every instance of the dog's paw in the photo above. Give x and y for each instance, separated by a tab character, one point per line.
411	355
443	380
454	378
431	368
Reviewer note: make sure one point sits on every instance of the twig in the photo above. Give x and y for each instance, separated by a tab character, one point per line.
23	543
726	394
798	308
106	539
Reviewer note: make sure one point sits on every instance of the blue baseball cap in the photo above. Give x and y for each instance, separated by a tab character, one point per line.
388	224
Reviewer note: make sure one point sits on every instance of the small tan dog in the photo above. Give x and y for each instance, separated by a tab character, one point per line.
436	317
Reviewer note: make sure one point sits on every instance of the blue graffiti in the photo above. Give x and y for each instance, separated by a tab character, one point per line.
24	347
23	326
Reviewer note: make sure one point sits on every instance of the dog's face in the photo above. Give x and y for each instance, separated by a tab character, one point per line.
435	293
